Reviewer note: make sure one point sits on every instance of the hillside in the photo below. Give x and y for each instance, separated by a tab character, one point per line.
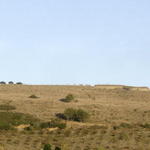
118	116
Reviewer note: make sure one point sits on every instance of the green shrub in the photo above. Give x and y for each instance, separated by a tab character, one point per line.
57	148
76	114
58	123
125	125
10	119
126	88
68	98
47	147
61	125
7	107
5	126
33	96
19	83
45	125
53	124
146	125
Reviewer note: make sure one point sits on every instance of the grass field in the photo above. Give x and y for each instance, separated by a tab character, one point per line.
119	117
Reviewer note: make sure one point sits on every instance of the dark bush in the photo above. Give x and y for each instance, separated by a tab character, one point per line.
146	125
57	148
33	96
127	88
61	116
68	98
76	114
19	83
2	82
47	147
10	82
29	128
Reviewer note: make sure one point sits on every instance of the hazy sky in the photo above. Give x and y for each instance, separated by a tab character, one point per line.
75	41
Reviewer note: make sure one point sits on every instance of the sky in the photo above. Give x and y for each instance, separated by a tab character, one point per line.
75	41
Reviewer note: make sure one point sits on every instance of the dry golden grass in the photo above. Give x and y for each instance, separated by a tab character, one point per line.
109	108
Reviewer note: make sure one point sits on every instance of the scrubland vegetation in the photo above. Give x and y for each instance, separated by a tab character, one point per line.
68	98
87	119
76	115
10	82
33	96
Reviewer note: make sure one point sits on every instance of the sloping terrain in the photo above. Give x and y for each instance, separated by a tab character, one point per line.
120	118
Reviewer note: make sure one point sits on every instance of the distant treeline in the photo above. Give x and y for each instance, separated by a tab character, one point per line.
10	82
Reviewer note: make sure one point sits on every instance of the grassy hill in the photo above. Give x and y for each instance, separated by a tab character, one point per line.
120	117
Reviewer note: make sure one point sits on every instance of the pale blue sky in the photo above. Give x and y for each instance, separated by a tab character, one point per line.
75	41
